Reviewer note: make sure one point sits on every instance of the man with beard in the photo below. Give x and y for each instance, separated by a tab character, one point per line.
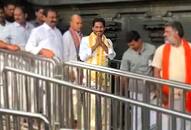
18	32
46	40
9	8
172	61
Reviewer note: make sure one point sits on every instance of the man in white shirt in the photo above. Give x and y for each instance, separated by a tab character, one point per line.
3	22
72	38
96	43
46	40
19	31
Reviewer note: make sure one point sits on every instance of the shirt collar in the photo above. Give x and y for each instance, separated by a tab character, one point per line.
47	27
141	51
18	25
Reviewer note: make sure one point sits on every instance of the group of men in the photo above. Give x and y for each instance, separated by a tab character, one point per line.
42	37
171	60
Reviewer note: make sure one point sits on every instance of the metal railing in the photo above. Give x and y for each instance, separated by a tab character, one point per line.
139	88
19	120
114	99
19	92
104	98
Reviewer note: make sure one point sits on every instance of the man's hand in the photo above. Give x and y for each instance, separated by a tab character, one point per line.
46	53
101	43
12	47
96	45
8	46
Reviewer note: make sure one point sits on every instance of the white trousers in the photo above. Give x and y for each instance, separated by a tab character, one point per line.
137	114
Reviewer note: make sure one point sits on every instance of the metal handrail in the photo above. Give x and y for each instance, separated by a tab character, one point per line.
89	90
128	74
28	54
26	114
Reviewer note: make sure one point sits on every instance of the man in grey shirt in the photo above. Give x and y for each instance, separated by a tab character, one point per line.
136	59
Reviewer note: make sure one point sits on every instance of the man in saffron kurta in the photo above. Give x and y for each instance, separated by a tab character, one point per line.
172	61
96	49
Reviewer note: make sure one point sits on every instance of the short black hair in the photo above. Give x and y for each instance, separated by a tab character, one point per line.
132	35
38	8
102	20
1	6
177	26
22	8
48	10
5	4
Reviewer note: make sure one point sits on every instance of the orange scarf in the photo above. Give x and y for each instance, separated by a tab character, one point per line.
165	72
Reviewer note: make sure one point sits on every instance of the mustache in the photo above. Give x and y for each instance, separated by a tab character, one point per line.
53	21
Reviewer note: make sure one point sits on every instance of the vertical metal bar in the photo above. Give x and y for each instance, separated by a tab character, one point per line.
5	77
30	124
98	111
145	111
1	121
127	117
172	107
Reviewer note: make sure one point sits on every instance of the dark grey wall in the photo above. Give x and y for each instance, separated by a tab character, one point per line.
145	16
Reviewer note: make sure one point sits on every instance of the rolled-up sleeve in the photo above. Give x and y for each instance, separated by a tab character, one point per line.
111	53
157	59
85	52
32	44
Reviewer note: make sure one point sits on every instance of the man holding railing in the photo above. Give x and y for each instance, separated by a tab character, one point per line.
46	40
3	24
18	32
172	61
136	59
96	49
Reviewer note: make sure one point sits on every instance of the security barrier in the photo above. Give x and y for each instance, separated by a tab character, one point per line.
19	94
17	120
137	87
128	103
139	105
